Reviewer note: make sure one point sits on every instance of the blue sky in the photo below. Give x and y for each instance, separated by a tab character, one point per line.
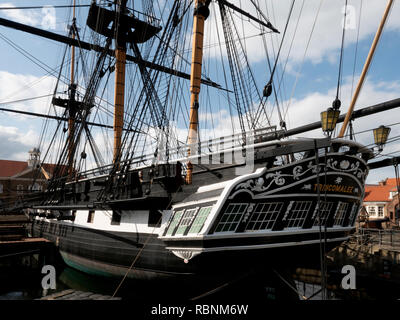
315	88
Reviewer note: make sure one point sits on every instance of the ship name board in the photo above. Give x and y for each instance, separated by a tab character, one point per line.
334	188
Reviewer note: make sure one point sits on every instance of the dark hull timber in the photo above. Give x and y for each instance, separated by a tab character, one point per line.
110	254
276	213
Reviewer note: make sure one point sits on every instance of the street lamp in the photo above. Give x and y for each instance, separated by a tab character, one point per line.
380	136
329	119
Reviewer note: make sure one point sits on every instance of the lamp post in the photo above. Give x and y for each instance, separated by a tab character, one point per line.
380	136
329	119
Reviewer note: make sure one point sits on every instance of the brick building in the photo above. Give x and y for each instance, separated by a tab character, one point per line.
381	201
20	177
393	207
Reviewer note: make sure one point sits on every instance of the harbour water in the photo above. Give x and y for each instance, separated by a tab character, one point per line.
24	284
376	265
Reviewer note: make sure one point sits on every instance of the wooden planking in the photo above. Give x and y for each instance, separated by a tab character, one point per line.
12	227
14	246
13	219
72	294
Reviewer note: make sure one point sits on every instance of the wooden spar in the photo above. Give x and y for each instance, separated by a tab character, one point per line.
195	80
73	47
119	96
88	46
71	111
365	69
119	90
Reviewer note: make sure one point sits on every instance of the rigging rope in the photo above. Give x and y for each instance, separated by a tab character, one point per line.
396	171
321	244
339	80
269	84
356	49
304	56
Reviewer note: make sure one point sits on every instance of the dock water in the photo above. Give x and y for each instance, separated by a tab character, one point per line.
375	254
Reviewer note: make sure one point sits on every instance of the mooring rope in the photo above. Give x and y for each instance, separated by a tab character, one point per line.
140	252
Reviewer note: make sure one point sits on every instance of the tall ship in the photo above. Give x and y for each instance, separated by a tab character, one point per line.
174	202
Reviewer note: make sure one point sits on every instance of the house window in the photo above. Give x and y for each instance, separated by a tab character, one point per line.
264	216
35	187
186	220
90	217
324	210
116	218
231	217
298	214
340	213
1	188
20	188
380	211
200	220
371	211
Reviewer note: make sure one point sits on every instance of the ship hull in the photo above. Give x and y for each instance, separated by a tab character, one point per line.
113	254
283	216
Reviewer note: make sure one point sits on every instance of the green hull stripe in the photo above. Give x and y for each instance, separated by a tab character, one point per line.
85	269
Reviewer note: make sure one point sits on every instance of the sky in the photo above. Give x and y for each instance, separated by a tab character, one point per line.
309	58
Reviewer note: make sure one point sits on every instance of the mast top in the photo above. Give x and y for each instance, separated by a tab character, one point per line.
133	26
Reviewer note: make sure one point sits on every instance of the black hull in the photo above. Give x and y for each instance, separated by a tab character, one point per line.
111	254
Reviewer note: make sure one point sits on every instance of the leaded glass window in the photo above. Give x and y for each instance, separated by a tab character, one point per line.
200	219
264	216
353	214
298	213
174	222
231	217
186	220
324	210
340	213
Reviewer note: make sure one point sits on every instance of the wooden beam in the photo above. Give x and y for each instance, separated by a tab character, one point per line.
88	46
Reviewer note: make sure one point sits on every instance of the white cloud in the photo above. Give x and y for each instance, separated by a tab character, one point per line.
15	143
45	18
326	36
20	86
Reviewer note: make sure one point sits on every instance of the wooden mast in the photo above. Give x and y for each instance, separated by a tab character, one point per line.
200	15
71	108
365	69
119	96
119	90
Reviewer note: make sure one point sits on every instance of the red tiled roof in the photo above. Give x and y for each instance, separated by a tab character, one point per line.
379	192
49	167
390	182
8	168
